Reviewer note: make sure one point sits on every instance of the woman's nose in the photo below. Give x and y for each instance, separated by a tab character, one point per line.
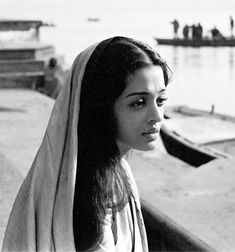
156	114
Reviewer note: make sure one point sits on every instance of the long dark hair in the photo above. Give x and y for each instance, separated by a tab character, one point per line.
101	183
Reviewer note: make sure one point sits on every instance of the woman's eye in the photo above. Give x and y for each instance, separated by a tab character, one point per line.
138	104
161	101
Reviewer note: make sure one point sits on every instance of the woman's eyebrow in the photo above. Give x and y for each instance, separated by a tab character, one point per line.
144	93
137	93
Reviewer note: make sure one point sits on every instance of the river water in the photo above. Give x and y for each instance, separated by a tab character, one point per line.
202	77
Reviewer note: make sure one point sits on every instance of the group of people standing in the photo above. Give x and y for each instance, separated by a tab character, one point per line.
195	31
189	31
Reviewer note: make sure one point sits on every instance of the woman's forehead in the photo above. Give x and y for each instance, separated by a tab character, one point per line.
145	79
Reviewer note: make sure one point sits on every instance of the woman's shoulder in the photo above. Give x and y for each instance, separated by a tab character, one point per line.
129	173
125	165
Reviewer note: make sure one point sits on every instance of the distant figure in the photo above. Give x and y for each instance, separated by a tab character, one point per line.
186	31
216	34
53	78
194	31
175	27
199	31
231	25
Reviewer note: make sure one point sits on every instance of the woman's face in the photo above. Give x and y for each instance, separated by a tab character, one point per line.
139	110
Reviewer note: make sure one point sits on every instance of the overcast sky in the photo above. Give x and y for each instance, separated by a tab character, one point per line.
29	8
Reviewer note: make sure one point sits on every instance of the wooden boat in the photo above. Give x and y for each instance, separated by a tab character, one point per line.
186	185
211	135
226	41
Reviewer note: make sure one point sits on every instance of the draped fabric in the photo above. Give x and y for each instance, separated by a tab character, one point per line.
130	226
42	215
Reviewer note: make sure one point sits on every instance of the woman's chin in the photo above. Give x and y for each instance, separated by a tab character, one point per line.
148	147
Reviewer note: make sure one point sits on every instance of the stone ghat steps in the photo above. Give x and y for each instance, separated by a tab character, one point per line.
20	66
25	52
21	73
23	64
33	81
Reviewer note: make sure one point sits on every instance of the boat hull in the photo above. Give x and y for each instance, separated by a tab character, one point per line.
197	43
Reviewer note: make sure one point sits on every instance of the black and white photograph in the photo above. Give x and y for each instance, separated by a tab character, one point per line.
117	125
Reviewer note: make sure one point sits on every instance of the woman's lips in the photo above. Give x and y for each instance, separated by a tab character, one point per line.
151	134
151	131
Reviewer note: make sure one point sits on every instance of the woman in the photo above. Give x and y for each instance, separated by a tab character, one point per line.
80	193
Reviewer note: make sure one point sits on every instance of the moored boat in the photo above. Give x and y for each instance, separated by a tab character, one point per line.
217	42
206	131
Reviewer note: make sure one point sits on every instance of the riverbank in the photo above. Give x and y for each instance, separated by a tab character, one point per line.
10	181
201	199
24	115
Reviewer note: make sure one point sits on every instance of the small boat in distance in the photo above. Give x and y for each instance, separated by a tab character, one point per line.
93	19
225	41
